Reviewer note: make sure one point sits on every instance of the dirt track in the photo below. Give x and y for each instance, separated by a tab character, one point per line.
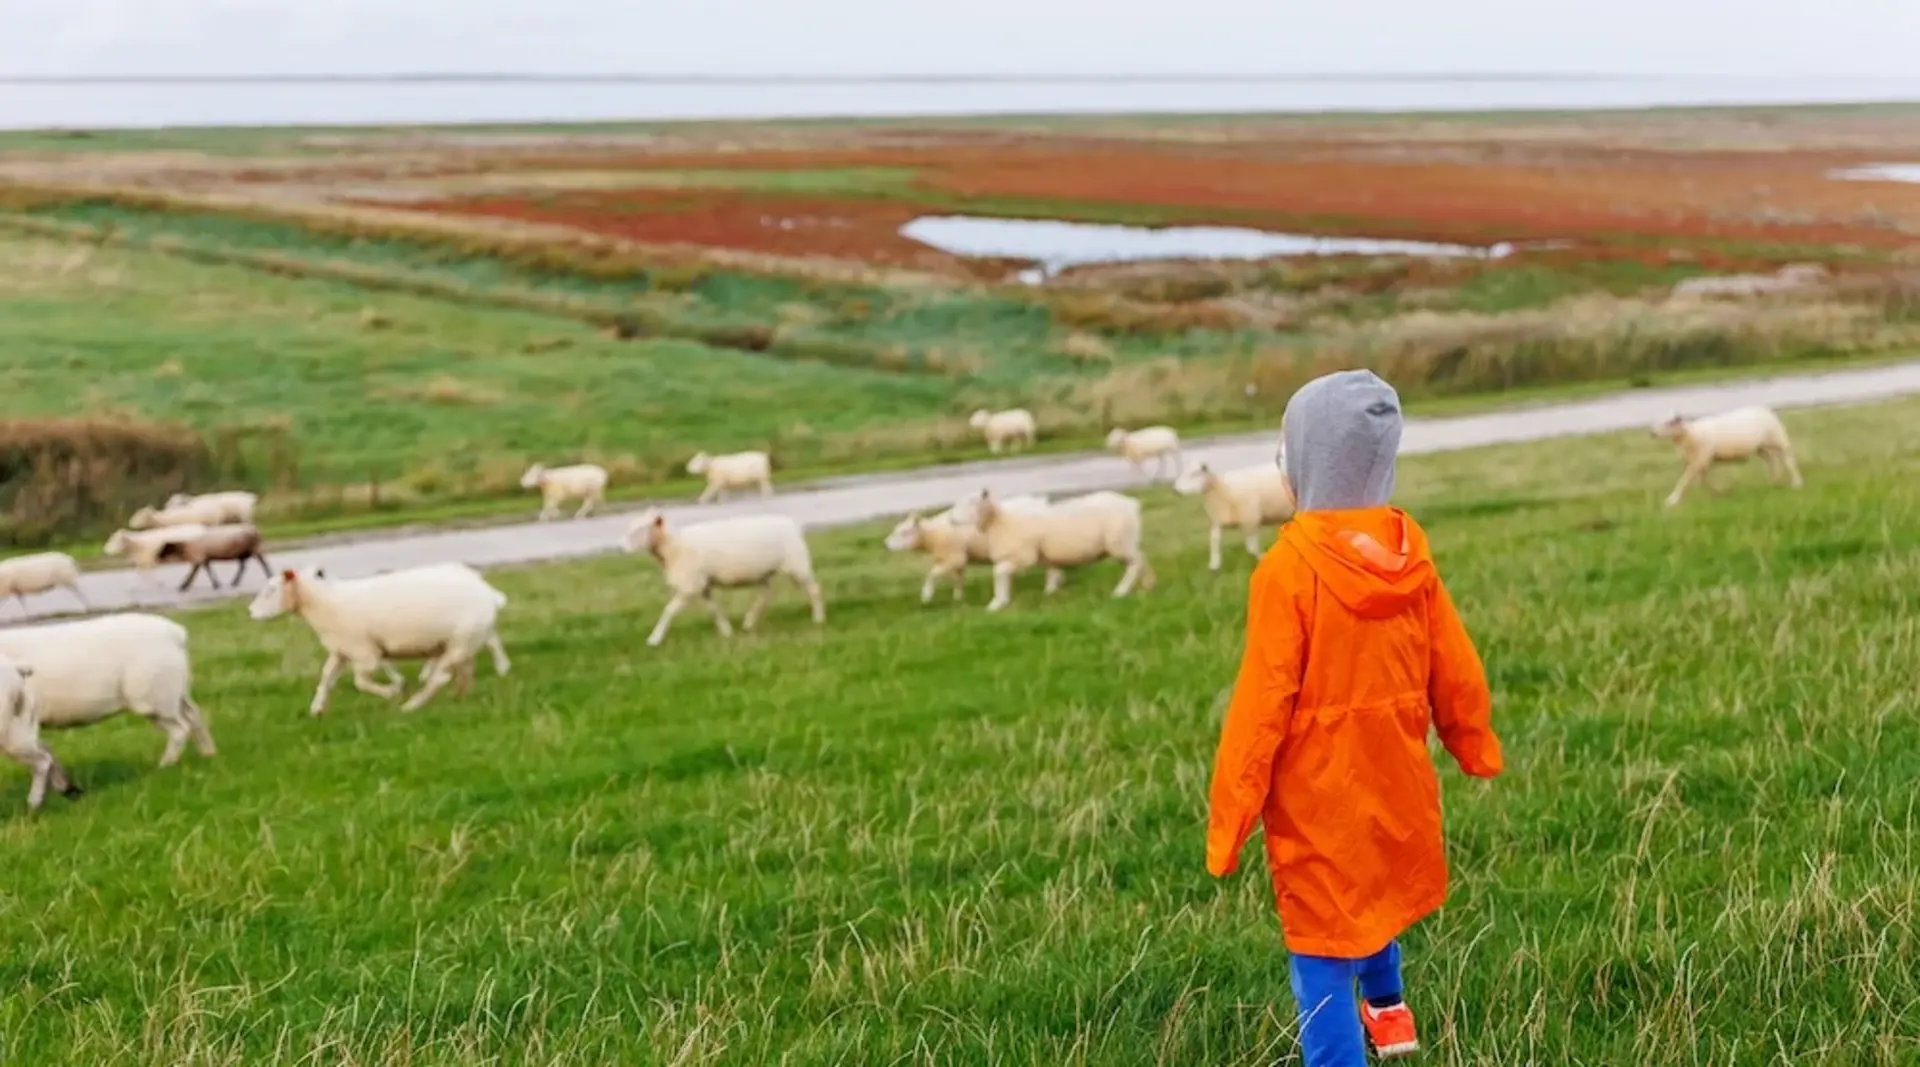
851	500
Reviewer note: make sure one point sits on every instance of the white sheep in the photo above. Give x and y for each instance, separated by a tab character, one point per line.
1729	438
586	482
20	736
1247	498
443	613
231	506
87	671
697	558
952	545
1007	429
1069	533
732	472
1158	443
41	572
210	510
146	548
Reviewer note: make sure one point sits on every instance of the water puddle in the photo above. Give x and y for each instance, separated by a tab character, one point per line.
1880	172
1055	245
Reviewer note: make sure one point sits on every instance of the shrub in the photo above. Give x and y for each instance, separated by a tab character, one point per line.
66	478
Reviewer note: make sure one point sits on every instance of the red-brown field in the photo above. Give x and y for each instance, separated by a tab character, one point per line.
1461	191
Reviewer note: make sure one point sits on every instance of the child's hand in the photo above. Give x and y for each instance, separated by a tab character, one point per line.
1221	866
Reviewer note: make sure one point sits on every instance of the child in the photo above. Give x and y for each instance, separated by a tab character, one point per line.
1353	646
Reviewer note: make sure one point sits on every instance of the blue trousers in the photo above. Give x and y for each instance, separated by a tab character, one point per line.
1330	1033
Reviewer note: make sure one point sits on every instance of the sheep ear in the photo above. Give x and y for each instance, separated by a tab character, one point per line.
659	521
286	576
319	572
24	670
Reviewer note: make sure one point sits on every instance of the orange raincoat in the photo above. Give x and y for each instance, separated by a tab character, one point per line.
1353	647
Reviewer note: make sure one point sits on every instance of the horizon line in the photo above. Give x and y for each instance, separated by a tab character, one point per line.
455	77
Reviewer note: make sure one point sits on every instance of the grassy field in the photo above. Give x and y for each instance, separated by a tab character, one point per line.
927	835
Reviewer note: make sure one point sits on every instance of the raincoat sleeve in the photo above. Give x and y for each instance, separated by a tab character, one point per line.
1263	697
1457	687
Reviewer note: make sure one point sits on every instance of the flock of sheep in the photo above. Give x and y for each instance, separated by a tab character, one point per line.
75	673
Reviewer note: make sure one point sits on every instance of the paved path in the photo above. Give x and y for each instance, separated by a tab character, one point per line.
858	499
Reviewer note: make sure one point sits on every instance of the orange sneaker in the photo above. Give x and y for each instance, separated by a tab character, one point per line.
1390	1030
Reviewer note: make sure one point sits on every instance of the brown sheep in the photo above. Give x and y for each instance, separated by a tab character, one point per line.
238	541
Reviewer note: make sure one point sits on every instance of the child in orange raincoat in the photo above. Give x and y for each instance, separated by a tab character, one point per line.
1353	648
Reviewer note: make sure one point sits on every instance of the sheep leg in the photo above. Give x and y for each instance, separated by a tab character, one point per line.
1002	585
266	569
586	506
933	579
709	494
1054	577
758	607
819	605
1137	570
81	597
501	665
197	725
329	674
720	622
463	677
1253	541
1692	474
667	613
766	487
1213	547
21	597
1175	462
177	731
42	764
191	572
1793	469
436	681
363	681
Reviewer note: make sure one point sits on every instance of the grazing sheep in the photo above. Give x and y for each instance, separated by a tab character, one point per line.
237	541
586	482
88	671
750	550
443	613
1249	498
145	549
1729	438
951	545
1005	429
1070	533
41	572
735	471
234	505
20	737
210	510
1158	443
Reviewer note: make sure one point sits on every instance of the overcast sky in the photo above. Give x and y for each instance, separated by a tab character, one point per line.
1787	37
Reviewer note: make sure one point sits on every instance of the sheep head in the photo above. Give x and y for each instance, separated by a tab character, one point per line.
141	519
531	479
978	420
1116	437
1195	481
280	596
906	536
699	463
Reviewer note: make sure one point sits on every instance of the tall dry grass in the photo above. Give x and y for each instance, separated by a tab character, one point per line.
65	478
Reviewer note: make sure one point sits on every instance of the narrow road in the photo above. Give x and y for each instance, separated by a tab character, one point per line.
859	499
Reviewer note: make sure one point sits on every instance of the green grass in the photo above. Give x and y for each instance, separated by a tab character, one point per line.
930	835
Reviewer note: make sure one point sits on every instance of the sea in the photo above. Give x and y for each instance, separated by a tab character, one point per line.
482	100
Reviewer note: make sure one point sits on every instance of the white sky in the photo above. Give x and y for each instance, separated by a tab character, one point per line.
1769	37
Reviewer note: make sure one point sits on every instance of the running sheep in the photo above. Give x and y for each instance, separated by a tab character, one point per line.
586	482
41	572
89	671
20	737
1070	533
212	509
1247	498
235	505
1011	429
145	549
725	553
444	613
953	546
1729	438
234	542
1158	443
734	472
